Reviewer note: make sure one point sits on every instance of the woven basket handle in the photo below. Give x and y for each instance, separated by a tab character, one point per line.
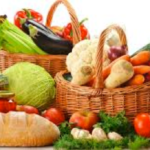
73	17
99	61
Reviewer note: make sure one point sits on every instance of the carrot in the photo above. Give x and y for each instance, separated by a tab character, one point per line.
142	69
107	70
141	58
137	79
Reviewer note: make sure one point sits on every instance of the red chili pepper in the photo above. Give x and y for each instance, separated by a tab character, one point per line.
68	33
27	13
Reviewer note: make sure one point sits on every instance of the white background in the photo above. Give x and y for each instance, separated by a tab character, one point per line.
133	15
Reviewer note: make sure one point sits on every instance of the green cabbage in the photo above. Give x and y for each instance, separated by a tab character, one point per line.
31	84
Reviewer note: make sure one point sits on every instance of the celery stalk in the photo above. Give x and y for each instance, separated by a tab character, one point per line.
15	40
20	45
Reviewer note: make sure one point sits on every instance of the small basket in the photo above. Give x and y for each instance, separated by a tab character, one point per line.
52	63
132	99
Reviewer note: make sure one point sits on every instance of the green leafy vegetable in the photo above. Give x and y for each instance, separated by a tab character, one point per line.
31	84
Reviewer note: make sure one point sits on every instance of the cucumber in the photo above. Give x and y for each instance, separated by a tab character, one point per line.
144	48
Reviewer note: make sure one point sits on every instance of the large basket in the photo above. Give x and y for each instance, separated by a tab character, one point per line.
52	63
131	99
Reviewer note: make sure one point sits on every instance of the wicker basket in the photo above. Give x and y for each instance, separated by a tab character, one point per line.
52	63
131	99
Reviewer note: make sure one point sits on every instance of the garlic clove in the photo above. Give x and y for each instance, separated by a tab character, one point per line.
114	136
99	134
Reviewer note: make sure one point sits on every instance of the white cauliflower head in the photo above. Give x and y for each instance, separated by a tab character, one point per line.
81	61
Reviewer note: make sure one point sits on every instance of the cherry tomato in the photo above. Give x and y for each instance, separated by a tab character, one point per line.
142	124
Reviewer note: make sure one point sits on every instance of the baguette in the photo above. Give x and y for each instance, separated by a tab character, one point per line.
22	129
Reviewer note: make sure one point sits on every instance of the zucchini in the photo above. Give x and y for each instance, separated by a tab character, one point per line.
144	48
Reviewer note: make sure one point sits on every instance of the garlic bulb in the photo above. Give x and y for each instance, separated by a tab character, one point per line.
80	133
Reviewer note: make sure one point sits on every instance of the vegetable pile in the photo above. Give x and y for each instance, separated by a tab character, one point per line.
119	68
29	36
121	135
29	88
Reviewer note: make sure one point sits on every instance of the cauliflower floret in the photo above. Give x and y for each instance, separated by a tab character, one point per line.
82	72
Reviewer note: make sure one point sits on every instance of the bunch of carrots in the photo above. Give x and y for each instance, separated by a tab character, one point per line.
141	66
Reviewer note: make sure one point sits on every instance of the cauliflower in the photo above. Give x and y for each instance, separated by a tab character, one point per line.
82	60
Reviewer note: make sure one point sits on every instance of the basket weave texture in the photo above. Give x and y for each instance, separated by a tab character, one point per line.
132	99
52	63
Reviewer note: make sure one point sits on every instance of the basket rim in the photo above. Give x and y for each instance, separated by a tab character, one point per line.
32	56
90	91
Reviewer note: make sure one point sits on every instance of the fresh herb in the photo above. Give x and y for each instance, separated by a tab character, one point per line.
139	142
118	123
65	128
68	143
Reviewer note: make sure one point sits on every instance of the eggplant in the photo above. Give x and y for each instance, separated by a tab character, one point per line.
28	22
46	39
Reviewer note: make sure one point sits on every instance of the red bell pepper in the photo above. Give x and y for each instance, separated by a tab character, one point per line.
27	13
68	33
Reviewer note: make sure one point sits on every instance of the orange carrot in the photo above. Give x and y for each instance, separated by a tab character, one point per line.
142	69
137	79
141	58
107	70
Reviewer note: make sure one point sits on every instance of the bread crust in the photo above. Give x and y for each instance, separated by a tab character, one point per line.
22	129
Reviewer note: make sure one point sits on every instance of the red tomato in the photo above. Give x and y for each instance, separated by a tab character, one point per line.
142	124
54	115
27	109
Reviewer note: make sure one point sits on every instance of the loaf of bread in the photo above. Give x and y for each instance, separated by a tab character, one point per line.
21	129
